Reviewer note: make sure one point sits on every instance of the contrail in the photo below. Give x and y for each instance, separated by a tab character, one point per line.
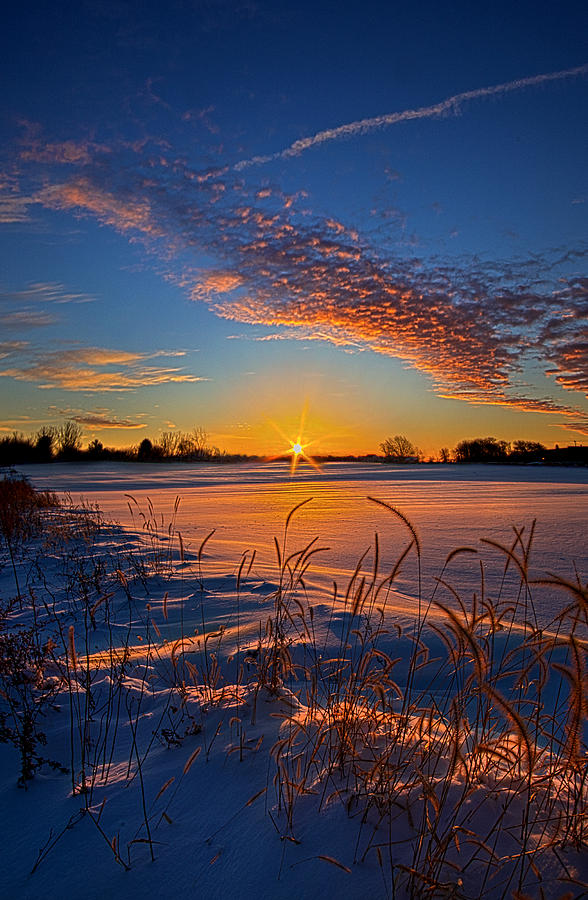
363	126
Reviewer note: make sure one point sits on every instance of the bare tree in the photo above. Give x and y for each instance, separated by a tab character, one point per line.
200	441
398	449
69	438
168	444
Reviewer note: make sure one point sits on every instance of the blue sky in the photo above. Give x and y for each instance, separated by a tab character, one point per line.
220	213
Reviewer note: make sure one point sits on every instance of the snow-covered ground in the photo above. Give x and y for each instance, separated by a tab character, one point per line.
216	705
450	506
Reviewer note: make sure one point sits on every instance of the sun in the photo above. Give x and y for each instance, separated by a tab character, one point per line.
297	449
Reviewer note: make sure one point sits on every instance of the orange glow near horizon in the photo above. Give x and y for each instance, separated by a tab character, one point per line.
335	420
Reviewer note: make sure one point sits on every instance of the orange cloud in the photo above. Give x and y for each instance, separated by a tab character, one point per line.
470	328
576	427
65	152
216	283
123	213
91	369
494	397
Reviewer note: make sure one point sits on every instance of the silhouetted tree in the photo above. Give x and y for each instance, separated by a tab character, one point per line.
145	450
69	440
482	450
167	444
45	440
95	449
399	449
16	449
200	443
185	445
527	451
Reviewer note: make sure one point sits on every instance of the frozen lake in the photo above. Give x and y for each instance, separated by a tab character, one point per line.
450	506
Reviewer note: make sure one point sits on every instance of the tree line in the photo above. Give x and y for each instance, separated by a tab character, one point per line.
63	443
399	449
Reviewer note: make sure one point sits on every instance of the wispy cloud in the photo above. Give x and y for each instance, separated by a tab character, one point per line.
14	204
39	293
580	427
24	319
23	310
98	421
126	213
7	348
45	292
450	105
497	397
38	149
17	422
95	369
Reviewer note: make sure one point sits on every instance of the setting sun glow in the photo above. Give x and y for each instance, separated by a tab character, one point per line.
297	449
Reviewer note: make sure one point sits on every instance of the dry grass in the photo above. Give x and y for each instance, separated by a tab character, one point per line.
479	719
20	515
457	746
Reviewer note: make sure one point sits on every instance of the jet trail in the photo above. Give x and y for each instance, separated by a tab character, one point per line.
451	104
